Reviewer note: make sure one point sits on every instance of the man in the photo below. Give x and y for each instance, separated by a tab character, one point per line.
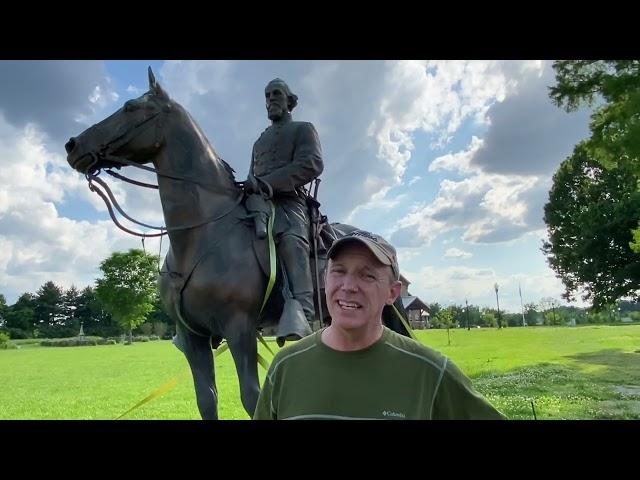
358	369
285	157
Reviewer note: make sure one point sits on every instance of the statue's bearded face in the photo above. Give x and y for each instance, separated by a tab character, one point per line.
276	102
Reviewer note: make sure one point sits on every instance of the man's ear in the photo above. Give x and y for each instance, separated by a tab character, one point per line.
394	291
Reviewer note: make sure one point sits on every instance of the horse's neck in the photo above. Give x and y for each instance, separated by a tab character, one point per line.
188	154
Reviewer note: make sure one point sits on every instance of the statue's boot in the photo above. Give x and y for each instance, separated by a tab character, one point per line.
298	312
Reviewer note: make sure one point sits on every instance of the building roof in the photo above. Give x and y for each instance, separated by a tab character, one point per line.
413	303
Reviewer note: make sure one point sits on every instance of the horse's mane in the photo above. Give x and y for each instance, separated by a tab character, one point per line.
228	169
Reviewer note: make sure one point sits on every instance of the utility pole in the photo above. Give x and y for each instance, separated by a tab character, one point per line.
498	303
524	323
467	304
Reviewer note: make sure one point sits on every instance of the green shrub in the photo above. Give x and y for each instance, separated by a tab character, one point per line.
160	329
146	329
28	341
17	333
71	342
5	344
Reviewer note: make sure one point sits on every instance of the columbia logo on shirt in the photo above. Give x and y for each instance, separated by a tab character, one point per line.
389	413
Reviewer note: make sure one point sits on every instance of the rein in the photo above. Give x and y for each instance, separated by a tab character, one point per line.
98	186
110	201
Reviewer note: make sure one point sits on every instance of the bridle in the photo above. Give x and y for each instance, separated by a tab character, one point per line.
98	186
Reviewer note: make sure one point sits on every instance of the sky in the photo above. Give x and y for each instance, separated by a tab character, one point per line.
451	161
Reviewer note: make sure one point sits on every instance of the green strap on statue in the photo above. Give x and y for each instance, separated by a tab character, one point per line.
272	257
406	325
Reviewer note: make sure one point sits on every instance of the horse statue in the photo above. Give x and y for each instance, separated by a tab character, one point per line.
214	276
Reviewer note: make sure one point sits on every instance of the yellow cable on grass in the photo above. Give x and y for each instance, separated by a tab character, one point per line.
163	389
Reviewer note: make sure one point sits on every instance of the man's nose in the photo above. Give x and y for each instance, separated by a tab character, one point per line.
349	284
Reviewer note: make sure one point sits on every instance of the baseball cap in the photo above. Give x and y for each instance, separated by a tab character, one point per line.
380	248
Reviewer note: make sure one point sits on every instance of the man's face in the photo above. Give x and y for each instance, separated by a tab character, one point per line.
358	287
276	100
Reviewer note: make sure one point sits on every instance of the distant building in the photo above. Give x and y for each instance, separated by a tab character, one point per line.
417	310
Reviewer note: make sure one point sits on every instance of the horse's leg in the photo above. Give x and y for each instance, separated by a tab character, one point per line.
243	346
198	351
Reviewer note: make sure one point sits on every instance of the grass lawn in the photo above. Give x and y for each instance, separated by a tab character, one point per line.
569	373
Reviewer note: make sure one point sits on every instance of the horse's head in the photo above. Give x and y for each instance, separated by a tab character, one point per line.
133	133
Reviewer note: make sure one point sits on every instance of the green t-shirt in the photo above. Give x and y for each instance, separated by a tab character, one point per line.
396	378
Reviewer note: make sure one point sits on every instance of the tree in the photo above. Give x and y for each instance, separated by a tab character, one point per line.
146	328
531	313
613	88
589	216
475	318
129	287
20	317
4	308
49	311
434	308
512	319
159	317
160	329
550	311
445	319
95	320
489	317
70	303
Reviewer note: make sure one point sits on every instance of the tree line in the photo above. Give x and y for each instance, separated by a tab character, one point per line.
124	299
548	311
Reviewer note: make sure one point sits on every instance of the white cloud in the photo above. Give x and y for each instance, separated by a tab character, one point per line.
460	161
528	134
487	208
189	79
134	90
508	173
434	97
54	95
379	203
37	244
454	284
457	253
101	97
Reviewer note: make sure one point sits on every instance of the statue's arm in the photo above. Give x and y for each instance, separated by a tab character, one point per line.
251	185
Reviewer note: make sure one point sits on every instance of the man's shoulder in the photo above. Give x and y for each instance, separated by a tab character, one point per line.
305	344
411	347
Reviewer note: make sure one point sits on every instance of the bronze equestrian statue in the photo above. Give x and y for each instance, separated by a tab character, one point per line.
215	273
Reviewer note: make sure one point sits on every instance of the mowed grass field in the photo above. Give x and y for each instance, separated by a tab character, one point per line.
590	372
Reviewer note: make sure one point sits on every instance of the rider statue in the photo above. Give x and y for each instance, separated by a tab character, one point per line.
286	156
